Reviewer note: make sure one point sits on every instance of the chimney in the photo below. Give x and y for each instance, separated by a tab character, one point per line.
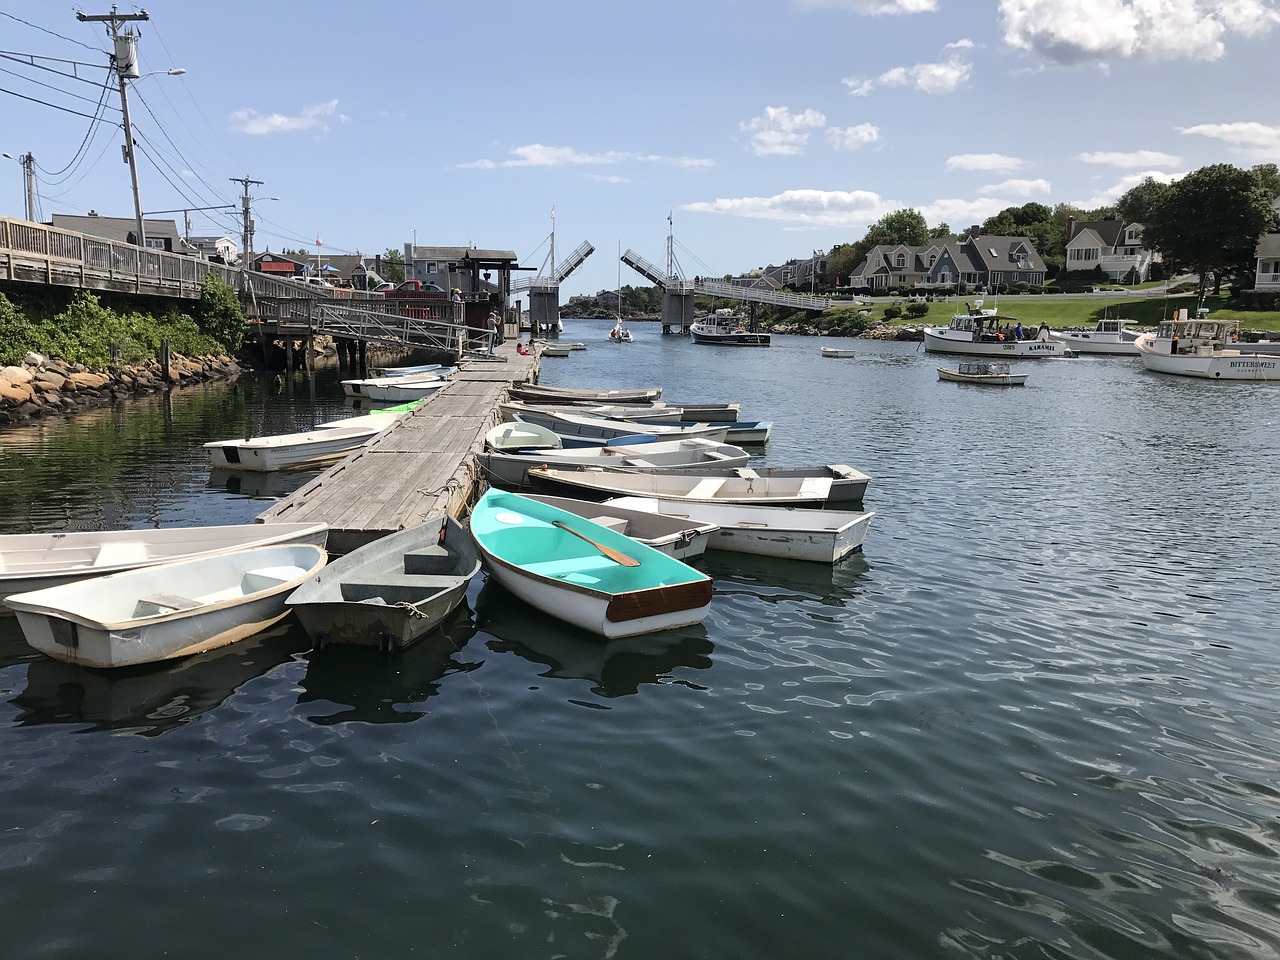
1071	228
974	232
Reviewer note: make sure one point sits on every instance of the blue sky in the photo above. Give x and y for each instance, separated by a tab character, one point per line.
766	130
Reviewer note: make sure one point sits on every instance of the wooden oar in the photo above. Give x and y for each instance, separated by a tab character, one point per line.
609	552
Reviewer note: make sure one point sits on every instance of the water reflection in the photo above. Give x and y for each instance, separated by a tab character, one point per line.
780	581
616	668
149	700
369	687
254	485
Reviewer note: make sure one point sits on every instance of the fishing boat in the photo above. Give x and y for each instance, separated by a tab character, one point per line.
1204	348
725	328
287	451
540	393
521	436
510	468
36	561
599	483
165	611
982	373
1108	338
977	333
679	537
365	387
820	536
836	352
391	592
603	428
583	573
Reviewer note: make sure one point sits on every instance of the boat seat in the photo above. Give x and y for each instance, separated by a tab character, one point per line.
706	487
613	523
434	559
638	462
569	567
125	551
746	473
263	578
158	603
425	581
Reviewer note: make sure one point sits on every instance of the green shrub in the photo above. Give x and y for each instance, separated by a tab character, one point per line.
892	313
917	309
16	332
219	314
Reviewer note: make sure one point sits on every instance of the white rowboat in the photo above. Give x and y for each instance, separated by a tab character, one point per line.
665	456
289	450
596	483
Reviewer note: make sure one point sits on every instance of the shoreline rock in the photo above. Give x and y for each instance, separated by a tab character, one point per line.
41	386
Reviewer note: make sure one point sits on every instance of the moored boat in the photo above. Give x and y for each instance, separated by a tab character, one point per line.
678	537
601	483
36	561
165	611
583	573
365	387
1204	348
511	468
290	450
982	373
836	352
978	333
403	389
820	536
521	436
724	328
1108	338
847	484
391	592
603	428
540	393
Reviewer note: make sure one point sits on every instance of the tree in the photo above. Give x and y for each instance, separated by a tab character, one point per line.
393	266
1268	176
219	315
942	232
1139	203
1211	220
906	226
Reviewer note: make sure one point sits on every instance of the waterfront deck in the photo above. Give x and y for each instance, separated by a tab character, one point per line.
421	467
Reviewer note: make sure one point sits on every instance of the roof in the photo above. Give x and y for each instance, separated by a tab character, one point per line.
999	253
462	253
1108	232
1268	246
116	228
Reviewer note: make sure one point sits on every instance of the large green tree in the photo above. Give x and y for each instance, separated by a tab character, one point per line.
1139	203
1210	221
906	226
393	266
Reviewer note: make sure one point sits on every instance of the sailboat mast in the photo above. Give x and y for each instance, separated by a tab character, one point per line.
553	243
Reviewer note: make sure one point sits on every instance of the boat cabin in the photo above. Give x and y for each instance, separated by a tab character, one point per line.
1187	335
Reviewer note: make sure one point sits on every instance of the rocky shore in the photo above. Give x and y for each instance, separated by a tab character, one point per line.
41	386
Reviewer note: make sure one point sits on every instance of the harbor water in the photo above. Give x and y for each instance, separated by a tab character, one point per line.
1035	718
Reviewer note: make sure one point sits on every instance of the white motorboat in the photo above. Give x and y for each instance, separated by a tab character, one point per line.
599	483
821	536
511	468
603	428
679	537
1204	348
392	591
35	561
165	611
982	373
725	328
365	387
978	333
1108	338
836	352
287	451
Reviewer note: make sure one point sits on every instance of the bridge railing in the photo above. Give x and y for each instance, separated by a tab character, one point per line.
731	291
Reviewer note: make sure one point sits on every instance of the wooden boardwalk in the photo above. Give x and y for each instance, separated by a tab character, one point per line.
421	467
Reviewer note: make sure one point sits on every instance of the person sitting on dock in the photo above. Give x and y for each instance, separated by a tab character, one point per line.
522	349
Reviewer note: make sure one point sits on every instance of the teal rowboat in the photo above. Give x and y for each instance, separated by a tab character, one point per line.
584	573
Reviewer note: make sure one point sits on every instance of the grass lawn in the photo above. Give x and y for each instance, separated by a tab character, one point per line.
1058	312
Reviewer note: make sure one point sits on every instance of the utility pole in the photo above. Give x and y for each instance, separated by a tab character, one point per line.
247	236
29	180
126	65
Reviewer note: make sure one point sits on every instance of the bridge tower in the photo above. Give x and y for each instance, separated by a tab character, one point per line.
544	288
677	293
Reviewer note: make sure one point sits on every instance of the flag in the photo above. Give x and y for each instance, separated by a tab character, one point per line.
553	213
318	241
669	219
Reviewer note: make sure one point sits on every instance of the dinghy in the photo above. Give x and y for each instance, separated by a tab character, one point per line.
391	592
837	352
510	468
514	436
821	536
599	483
847	484
539	393
289	450
679	537
369	385
166	611
656	413
583	573
602	428
36	561
406	371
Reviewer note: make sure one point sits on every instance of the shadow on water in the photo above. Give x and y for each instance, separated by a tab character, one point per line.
365	686
149	700
779	581
259	486
615	668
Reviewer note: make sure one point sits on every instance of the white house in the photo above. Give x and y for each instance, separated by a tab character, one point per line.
1111	244
209	247
1268	254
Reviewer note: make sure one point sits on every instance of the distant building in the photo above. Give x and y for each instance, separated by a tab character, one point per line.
1113	245
1267	253
278	265
161	234
986	261
467	268
223	248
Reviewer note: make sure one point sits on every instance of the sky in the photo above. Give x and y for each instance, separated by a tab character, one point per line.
751	131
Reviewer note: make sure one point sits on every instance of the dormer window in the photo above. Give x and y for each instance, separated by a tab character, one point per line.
933	258
900	260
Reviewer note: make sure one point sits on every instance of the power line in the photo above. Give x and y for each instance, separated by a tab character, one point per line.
176	150
87	140
46	103
47	86
44	30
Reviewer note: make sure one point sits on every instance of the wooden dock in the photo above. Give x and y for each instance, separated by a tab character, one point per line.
423	466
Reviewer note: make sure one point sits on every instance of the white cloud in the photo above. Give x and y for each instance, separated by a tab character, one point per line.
1134	158
988	162
1109	195
964	43
1255	141
311	118
852	138
872	7
1118	29
1016	188
945	76
541	155
779	132
826	208
962	214
601	178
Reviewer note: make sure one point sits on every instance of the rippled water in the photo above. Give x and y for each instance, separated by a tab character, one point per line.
1036	718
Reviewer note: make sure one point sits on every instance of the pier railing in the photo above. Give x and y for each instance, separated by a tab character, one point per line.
731	291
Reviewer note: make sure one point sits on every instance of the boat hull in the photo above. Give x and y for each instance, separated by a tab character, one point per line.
936	340
168	611
983	379
674	536
1207	364
288	451
1099	344
694	485
668	456
727	336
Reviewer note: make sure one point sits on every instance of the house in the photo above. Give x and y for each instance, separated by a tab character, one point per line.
460	267
278	265
1267	253
1113	245
161	234
986	261
223	248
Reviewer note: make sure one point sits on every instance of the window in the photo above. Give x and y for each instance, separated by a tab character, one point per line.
900	260
155	243
933	257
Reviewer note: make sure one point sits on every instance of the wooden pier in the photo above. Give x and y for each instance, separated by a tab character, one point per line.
421	467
